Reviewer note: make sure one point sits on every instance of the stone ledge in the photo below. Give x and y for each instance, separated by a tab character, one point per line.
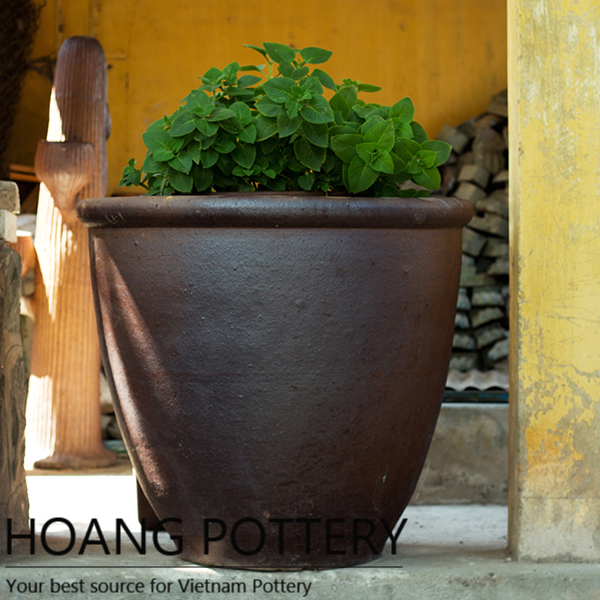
468	459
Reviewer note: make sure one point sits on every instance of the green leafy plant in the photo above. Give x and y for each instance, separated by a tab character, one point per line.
244	131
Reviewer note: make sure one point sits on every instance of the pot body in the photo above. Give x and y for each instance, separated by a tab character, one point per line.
277	364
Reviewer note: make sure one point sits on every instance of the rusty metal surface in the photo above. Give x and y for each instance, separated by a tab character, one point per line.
277	372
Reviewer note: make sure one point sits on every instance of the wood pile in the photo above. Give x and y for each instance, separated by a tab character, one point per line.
478	171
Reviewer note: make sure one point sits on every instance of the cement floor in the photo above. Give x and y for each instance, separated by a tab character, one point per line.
444	552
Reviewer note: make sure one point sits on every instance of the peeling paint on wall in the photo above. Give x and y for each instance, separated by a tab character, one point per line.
555	211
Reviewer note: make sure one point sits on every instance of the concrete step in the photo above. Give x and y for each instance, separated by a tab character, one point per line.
468	459
444	552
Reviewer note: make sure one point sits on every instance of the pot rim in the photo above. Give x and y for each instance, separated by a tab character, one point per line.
258	209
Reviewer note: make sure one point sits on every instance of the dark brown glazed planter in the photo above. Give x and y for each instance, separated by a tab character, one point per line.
277	363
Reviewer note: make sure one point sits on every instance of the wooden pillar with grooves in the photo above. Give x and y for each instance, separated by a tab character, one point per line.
63	412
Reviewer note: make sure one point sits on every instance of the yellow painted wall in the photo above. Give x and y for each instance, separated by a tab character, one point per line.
554	119
448	55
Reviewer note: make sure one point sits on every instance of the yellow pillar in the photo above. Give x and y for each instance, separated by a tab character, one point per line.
554	103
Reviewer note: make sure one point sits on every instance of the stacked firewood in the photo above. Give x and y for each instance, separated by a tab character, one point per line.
478	171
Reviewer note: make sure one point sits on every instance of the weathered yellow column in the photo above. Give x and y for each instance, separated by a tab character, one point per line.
554	102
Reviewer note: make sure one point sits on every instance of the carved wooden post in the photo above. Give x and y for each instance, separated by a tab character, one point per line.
63	413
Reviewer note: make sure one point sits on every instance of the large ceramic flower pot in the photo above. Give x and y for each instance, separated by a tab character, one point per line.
277	363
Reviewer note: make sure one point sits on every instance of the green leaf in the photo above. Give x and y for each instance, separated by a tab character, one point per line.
344	146
267	107
399	164
225	163
243	94
131	175
207	142
175	143
419	134
315	56
339	129
194	149
247	80
158	125
287	126
241	172
317	110
325	79
364	112
345	168
313	86
248	134
299	73
278	89
293	164
428	178
182	162
265	127
244	155
181	182
230	71
426	158
406	149
213	76
131	178
233	125
220	114
360	175
291	108
277	185
197	100
382	111
252	68
382	134
308	154
403	110
203	178
257	48
209	158
208	129
414	167
280	52
339	104
316	133
269	145
286	69
413	193
372	121
389	190
162	154
157	142
442	150
306	181
331	162
367	151
242	112
183	123
366	87
349	94
150	165
224	146
403	129
383	163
